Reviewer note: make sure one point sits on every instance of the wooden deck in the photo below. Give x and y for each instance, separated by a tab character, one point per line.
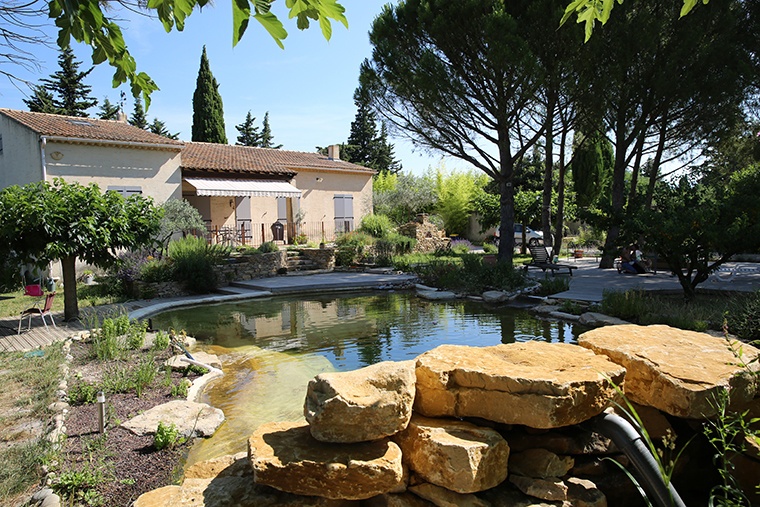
37	337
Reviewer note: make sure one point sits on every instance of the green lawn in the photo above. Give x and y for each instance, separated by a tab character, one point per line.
13	303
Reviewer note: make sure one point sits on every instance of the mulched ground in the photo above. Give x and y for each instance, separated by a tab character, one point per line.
129	464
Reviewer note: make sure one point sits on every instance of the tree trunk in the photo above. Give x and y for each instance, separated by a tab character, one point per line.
70	303
559	224
636	167
656	165
546	204
618	200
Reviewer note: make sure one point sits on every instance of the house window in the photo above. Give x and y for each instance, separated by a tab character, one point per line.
344	212
125	191
282	209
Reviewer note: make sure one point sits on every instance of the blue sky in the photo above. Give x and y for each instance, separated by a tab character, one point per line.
307	88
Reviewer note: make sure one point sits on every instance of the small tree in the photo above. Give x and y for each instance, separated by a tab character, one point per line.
697	226
108	111
42	222
158	127
178	216
66	88
138	118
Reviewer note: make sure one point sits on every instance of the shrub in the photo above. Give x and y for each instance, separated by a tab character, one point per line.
626	305
392	245
82	393
161	341
136	335
156	271
166	436
460	246
553	285
194	261
744	319
351	247
490	248
269	247
377	226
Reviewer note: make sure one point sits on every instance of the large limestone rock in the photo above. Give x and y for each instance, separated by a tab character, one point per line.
545	489
361	405
679	372
180	362
191	419
285	456
457	455
539	463
538	384
397	500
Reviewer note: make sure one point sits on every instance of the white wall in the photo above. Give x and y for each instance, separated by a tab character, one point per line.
20	159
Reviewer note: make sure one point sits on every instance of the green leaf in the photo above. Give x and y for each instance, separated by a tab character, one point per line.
326	27
274	26
688	5
241	13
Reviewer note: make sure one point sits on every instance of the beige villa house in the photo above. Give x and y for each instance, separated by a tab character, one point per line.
245	195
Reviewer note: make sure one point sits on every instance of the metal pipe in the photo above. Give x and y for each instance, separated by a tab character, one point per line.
630	441
101	411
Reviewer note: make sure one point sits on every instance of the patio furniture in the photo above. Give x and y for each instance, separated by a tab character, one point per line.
36	310
542	261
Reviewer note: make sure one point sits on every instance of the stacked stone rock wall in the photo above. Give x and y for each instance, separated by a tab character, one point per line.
323	258
429	237
492	426
248	267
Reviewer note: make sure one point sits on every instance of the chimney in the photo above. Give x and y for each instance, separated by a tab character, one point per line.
333	152
122	117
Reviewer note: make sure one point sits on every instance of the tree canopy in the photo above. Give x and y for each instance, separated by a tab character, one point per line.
42	222
248	133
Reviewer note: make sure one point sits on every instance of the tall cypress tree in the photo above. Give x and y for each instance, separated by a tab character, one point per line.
384	156
365	146
249	135
65	88
208	112
265	140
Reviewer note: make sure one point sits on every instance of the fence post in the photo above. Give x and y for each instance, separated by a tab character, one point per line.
263	234
242	234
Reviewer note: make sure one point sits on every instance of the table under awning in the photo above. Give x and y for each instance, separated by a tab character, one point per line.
241	188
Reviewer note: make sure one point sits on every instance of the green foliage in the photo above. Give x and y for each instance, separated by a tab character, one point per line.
144	374
365	146
401	197
158	127
82	393
591	167
248	133
460	246
377	226
350	247
467	273
64	92
161	341
136	335
66	221
179	216
626	305
194	259
116	336
455	192
266	138
138	118
743	319
80	486
180	390
156	271
393	244
268	247
552	285
167	435
490	248
208	111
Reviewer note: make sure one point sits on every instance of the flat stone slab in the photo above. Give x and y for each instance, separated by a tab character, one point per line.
538	384
679	372
286	457
191	419
436	295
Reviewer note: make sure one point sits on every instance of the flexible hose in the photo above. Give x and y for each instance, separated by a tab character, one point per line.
630	441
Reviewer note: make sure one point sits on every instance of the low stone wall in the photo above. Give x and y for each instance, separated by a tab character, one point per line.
248	267
323	258
479	426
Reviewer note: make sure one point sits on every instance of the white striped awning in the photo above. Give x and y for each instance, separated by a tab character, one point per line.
241	188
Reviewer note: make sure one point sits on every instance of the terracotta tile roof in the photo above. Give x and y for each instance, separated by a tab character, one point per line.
224	157
77	128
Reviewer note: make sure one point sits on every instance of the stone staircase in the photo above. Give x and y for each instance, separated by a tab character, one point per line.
297	262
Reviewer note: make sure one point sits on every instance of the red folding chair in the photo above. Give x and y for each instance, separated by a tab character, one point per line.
36	310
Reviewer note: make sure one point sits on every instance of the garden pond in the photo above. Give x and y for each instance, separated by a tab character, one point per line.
271	348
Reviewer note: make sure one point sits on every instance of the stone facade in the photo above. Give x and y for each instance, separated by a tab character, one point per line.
248	267
479	461
323	258
429	237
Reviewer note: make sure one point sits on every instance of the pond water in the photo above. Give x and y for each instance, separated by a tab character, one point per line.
271	348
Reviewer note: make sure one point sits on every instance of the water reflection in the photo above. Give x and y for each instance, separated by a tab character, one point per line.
271	348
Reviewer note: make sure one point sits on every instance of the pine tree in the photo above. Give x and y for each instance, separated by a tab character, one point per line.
70	95
41	101
108	111
265	140
208	111
159	127
365	146
249	135
138	118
